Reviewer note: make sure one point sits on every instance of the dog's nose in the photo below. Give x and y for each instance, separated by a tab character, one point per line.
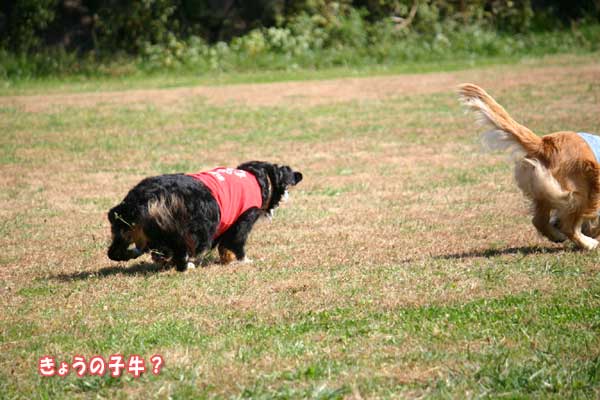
297	177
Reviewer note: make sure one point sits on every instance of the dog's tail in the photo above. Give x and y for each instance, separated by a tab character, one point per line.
504	131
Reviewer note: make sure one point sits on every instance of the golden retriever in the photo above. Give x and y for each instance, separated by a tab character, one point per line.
559	172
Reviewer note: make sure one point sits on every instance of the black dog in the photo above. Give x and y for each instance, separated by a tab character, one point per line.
176	217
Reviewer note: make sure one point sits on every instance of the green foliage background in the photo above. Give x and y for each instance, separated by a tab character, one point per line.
45	37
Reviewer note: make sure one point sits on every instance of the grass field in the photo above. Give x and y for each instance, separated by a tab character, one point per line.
404	265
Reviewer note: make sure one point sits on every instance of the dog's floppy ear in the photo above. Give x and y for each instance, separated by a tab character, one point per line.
118	216
289	177
112	214
297	177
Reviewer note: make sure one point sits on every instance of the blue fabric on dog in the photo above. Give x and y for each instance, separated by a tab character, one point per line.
593	141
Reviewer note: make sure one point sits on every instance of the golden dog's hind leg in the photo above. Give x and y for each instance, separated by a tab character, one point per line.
571	226
541	221
591	227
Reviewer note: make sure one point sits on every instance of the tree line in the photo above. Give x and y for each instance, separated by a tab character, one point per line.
126	26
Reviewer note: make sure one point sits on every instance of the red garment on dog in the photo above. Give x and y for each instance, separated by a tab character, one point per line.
235	191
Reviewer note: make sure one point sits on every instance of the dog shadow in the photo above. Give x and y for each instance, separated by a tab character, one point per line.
487	253
143	268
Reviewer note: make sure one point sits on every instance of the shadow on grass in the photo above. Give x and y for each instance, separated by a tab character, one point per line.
524	250
142	268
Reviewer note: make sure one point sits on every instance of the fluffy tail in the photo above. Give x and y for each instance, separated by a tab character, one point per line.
504	132
532	176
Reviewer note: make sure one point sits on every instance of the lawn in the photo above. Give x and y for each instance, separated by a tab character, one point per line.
404	265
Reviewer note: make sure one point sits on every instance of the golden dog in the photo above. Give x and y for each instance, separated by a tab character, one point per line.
559	172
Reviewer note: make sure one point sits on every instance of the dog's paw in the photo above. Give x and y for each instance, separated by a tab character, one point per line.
588	243
557	236
246	260
553	232
185	267
190	265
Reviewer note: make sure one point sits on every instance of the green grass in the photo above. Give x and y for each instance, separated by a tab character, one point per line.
166	80
405	265
186	78
528	344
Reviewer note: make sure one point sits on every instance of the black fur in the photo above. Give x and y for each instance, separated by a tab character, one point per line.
175	216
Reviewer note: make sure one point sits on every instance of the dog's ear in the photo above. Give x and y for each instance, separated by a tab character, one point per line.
297	177
112	214
289	177
117	215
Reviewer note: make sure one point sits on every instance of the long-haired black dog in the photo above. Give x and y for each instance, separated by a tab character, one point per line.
177	217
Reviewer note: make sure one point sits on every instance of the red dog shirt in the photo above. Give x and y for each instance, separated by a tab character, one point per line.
235	191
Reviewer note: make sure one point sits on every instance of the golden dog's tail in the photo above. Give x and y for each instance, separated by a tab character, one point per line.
504	131
531	174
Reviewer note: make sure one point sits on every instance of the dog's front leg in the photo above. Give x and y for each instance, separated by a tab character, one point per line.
233	242
184	264
541	221
181	258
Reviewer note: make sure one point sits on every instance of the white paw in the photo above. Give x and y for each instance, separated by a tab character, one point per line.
246	260
190	265
588	243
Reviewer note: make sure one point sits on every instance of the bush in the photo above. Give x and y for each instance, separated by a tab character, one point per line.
275	34
22	23
131	25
